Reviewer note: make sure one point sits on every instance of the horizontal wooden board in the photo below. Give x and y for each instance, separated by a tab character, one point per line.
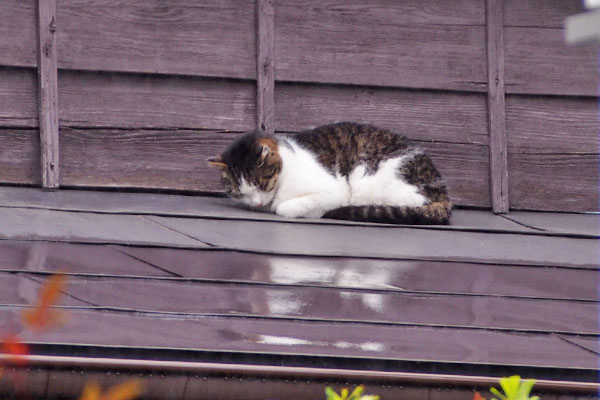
538	61
20	156
18	31
553	153
406	44
540	13
420	115
329	304
293	337
553	182
88	99
18	97
552	124
209	38
559	222
166	159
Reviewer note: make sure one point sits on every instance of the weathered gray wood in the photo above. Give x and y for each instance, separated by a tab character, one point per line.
553	153
18	96
540	13
421	115
265	67
168	159
135	101
554	182
209	38
496	112
18	33
19	156
48	93
30	224
555	222
382	43
399	243
538	61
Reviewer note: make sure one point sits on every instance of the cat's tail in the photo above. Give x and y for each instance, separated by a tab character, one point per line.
435	213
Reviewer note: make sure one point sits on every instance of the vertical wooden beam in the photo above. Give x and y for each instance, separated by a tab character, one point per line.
48	92
496	106
265	66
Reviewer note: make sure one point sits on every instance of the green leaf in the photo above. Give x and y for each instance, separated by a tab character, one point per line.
331	394
497	393
356	394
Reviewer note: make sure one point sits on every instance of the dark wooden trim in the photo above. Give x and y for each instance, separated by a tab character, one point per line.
496	106
265	67
48	92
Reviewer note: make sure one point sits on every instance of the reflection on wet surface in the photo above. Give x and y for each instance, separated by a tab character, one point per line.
291	341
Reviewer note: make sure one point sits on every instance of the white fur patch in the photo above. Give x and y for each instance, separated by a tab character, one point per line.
253	196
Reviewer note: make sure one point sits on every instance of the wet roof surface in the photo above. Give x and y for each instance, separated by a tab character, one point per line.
151	271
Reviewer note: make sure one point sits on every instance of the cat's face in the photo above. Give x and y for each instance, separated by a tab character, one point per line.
249	169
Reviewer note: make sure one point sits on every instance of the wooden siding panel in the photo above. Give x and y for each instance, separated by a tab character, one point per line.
538	61
210	38
541	13
169	159
408	44
18	33
19	156
18	97
88	99
553	153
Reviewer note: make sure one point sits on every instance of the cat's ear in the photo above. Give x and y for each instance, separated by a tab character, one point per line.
266	146
216	162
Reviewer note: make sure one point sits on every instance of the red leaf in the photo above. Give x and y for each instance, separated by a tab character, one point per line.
13	346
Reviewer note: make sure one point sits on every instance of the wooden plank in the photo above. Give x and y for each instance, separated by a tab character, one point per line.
27	224
168	102
19	156
290	337
265	67
419	115
554	182
399	243
341	305
403	44
541	13
18	96
210	38
167	159
496	111
18	33
24	290
48	94
547	171
560	69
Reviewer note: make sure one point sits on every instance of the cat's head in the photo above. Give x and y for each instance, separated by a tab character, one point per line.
250	168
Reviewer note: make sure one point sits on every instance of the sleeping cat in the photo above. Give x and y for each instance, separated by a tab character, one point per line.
342	171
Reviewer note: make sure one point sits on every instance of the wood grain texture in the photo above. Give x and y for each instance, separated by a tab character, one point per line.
553	152
265	66
18	97
540	13
407	44
141	158
19	156
538	61
18	33
421	115
48	93
89	99
496	112
209	38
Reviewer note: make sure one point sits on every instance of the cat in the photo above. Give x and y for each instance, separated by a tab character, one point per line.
345	170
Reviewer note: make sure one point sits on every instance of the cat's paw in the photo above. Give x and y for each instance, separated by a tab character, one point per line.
290	209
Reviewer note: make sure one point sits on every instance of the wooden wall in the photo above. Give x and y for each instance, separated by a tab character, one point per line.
146	90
